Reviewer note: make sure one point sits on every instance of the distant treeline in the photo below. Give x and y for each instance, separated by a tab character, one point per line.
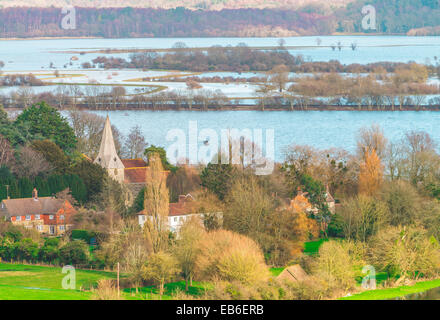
12	80
234	59
393	16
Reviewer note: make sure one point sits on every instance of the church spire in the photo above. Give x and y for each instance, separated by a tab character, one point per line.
108	157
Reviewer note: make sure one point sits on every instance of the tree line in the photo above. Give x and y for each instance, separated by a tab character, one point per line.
396	17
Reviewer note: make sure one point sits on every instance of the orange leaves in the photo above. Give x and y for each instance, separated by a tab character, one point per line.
371	173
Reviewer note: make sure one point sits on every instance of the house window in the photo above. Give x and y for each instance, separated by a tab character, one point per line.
37	217
40	228
175	219
28	217
18	218
61	217
62	228
51	217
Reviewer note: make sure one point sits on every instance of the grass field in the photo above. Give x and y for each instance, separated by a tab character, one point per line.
390	293
152	292
312	247
28	282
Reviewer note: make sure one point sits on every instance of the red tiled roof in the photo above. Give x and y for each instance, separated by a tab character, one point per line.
135	175
185	206
134	163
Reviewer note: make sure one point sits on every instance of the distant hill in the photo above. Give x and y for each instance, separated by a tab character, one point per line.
168	4
241	18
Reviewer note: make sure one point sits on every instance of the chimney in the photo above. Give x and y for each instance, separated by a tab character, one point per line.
182	198
35	194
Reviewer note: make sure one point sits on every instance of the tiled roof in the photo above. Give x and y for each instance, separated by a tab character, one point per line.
185	206
27	206
135	175
134	163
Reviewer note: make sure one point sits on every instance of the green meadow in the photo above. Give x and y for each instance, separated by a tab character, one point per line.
31	282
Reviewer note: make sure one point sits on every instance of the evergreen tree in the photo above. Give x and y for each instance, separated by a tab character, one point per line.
45	122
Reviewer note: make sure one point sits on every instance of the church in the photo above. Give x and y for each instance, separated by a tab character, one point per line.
130	172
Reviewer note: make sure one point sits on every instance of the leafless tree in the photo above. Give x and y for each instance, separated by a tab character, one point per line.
30	163
135	144
6	152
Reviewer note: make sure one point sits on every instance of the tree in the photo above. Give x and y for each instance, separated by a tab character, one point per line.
363	217
370	174
6	152
229	256
186	249
161	267
92	175
156	203
46	122
217	178
53	154
335	266
422	160
135	143
49	252
75	252
406	252
279	76
163	157
30	163
88	129
370	139
285	234
247	207
403	201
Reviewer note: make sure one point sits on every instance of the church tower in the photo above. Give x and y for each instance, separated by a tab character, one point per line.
108	157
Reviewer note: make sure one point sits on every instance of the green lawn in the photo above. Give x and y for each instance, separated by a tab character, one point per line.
312	247
28	282
390	293
276	271
25	293
152	292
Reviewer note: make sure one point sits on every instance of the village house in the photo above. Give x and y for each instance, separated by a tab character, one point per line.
47	215
301	202
180	212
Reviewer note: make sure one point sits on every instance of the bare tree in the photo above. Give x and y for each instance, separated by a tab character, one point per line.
369	139
6	152
88	129
135	144
30	163
279	76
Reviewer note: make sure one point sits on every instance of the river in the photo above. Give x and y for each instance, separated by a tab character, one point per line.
320	129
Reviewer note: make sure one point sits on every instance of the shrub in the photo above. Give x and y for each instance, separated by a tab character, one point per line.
335	266
229	256
74	253
106	291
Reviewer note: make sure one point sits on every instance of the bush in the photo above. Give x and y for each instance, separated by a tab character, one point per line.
232	257
84	235
335	266
74	253
106	291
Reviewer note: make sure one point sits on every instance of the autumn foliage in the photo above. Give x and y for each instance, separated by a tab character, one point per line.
370	174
